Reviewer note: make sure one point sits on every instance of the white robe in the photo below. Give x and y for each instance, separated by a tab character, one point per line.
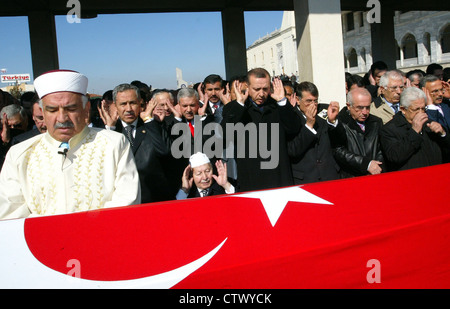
98	171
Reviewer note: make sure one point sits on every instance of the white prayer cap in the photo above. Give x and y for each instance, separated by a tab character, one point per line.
60	80
198	159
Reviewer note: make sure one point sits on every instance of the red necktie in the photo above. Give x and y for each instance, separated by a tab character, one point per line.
191	127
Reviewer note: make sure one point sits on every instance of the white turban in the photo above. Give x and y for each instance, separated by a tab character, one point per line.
198	159
60	80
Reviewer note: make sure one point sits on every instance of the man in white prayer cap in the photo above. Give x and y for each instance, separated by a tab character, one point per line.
71	167
198	179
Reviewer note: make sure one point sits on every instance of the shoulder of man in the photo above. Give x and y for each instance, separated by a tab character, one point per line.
18	150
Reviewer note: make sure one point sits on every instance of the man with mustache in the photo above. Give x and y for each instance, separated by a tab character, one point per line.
209	93
149	142
71	167
438	108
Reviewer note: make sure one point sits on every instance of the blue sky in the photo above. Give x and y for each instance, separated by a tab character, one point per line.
112	49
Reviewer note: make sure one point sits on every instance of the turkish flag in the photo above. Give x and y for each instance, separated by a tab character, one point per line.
385	231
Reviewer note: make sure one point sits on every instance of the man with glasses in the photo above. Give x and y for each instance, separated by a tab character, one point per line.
361	154
438	108
387	104
410	139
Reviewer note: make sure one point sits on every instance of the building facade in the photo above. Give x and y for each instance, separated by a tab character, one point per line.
422	37
277	51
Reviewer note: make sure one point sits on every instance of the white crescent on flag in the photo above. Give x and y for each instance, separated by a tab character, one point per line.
23	271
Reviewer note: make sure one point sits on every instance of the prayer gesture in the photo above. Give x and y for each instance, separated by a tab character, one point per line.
278	93
187	180
149	108
333	111
108	114
222	178
240	97
225	97
5	129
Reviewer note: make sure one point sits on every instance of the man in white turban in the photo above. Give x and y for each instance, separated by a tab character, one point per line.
71	167
198	179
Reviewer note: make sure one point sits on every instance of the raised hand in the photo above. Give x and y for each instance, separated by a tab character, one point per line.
278	90
333	111
187	179
222	178
202	110
109	115
240	97
225	97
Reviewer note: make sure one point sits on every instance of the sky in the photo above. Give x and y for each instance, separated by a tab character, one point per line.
120	48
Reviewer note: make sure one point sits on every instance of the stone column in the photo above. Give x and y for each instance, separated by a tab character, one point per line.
384	45
44	50
320	47
234	41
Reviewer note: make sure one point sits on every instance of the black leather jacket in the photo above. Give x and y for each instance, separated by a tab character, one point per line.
361	147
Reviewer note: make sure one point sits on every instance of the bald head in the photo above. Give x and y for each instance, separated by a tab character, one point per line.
358	94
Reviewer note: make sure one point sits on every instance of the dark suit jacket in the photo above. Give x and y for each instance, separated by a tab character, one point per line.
435	115
250	174
403	148
215	189
311	154
217	115
24	136
360	147
151	148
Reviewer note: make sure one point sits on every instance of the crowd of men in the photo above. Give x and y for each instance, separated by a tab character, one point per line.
63	152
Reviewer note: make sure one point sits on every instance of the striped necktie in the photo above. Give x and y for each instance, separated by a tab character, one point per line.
129	134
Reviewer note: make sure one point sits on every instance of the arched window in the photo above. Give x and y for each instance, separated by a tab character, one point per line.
427	42
409	47
445	40
353	58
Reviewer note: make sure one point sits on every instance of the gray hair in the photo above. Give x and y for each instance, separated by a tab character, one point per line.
427	79
125	87
414	75
84	100
187	93
13	109
159	92
362	91
393	74
411	94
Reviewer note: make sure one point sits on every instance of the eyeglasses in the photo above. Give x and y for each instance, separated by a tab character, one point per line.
393	88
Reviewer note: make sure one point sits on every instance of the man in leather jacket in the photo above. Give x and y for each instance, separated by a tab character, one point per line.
361	154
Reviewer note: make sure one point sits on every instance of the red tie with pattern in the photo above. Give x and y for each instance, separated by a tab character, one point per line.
191	127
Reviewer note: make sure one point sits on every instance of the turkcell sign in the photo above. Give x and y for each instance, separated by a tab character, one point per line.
10	78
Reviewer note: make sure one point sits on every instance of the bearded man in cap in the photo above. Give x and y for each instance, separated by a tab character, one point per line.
71	167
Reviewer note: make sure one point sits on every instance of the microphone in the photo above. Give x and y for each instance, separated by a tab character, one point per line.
63	149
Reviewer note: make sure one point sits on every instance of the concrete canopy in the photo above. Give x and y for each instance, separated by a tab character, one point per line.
92	7
312	18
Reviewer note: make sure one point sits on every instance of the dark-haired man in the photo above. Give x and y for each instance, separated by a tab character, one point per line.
149	143
270	120
211	88
311	150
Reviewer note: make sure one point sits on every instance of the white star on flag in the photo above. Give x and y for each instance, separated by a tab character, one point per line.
274	201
